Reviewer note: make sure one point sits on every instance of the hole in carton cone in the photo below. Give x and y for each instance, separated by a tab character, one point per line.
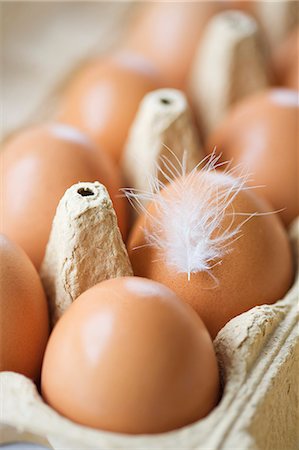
85	192
165	101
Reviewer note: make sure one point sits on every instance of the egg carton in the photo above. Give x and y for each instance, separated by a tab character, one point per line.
257	351
258	358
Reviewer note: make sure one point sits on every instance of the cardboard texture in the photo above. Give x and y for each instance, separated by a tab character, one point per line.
257	351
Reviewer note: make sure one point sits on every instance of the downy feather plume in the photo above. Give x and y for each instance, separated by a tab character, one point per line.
187	224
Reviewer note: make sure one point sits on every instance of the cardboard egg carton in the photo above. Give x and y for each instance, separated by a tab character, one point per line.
257	351
220	75
258	359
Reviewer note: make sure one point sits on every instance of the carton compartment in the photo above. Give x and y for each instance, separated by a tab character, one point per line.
258	358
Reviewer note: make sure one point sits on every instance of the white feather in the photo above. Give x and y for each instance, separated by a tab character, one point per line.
187	225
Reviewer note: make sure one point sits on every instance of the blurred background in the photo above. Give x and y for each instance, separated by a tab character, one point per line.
43	42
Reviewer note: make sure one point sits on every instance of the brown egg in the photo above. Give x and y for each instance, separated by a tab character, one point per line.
38	165
104	96
24	319
168	33
201	237
286	60
262	133
138	360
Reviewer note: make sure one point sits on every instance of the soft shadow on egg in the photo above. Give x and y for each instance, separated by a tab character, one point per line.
139	360
24	320
262	134
103	97
216	244
37	166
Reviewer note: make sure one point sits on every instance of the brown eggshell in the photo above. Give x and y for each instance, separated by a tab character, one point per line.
103	98
168	33
262	133
128	356
38	165
24	319
257	268
286	60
